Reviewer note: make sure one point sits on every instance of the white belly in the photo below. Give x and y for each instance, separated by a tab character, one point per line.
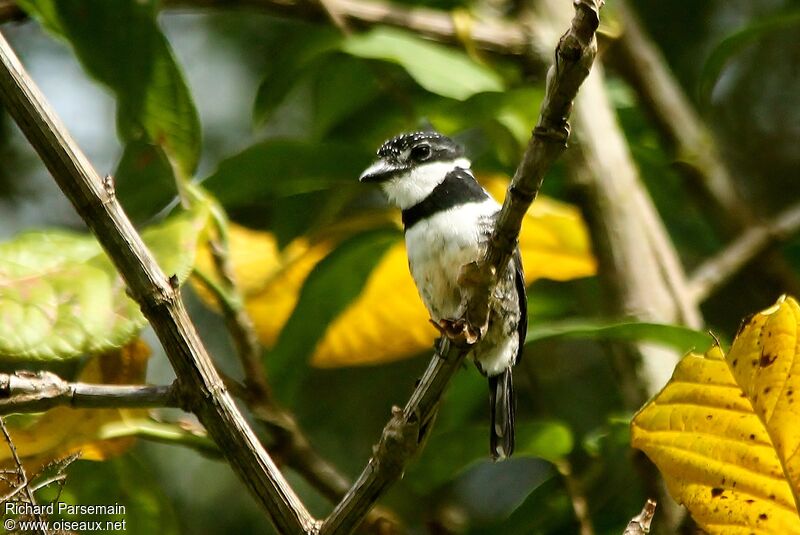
437	248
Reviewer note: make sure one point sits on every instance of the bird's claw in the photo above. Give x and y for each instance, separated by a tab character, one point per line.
459	331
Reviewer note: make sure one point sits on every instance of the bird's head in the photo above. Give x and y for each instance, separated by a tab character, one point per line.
411	165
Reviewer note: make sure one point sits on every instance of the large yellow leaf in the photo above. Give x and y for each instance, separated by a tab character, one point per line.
724	431
554	245
553	241
62	430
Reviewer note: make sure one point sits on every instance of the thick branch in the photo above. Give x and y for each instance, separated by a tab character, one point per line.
36	392
718	269
159	298
403	435
638	264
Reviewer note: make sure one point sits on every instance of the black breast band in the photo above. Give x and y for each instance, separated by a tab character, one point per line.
458	187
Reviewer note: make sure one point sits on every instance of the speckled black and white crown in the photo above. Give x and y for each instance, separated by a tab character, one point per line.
442	146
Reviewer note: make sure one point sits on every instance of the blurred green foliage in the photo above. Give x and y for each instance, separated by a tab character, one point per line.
317	106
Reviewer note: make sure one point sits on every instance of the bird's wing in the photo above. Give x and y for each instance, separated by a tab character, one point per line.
519	283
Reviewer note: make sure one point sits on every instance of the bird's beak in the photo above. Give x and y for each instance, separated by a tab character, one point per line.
379	171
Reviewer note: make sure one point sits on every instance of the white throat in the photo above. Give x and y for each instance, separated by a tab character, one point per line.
408	189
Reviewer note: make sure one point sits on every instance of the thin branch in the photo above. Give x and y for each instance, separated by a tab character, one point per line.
404	434
720	268
290	443
402	437
640	524
19	471
497	36
24	391
95	201
500	37
576	495
238	322
22	479
187	434
645	68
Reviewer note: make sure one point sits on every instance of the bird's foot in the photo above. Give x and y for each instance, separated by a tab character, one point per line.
459	331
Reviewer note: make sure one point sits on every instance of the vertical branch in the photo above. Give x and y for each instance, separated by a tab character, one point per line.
628	237
158	296
576	495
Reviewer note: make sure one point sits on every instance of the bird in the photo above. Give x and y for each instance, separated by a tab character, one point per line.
448	218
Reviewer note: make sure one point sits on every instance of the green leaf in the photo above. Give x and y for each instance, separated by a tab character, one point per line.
438	69
62	297
465	396
449	453
515	110
333	283
287	186
342	85
734	43
546	510
124	481
119	43
144	179
174	434
675	336
299	53
614	433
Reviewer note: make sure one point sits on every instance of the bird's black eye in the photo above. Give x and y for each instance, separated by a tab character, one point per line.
420	153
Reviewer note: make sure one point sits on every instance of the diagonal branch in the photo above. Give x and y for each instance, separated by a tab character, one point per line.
404	434
496	36
696	153
573	60
640	524
36	392
157	295
717	270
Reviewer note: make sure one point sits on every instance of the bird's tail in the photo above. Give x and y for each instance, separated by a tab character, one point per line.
503	407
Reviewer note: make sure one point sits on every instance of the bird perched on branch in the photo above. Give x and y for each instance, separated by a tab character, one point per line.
448	219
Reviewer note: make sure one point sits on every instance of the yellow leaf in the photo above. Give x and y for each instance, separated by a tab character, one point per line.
553	240
724	430
388	308
554	244
62	430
